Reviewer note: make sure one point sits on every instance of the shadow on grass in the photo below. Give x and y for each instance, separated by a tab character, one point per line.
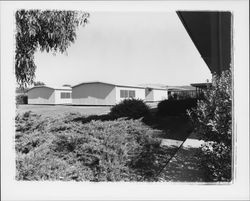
176	127
87	119
185	166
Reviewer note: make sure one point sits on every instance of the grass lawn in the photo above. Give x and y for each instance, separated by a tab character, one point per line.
61	110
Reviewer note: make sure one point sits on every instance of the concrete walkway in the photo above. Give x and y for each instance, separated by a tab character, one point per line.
189	143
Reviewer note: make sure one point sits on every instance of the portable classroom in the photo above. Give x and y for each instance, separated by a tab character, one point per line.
155	94
49	95
102	93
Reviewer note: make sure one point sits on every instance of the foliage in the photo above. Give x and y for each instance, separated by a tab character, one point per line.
63	149
38	83
21	90
49	30
130	108
175	107
213	120
21	99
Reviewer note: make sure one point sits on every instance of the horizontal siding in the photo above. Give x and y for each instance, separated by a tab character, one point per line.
93	94
139	93
41	96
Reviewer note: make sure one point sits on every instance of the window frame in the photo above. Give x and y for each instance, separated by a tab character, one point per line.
65	95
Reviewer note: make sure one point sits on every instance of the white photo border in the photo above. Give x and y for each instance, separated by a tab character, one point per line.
18	190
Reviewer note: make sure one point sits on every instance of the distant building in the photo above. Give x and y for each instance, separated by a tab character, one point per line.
95	93
49	95
155	93
102	93
181	92
200	87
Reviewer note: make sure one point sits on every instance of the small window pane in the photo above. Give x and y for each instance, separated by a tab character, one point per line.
122	93
62	95
65	95
126	93
131	94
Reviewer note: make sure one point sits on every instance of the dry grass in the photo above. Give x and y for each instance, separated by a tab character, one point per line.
61	110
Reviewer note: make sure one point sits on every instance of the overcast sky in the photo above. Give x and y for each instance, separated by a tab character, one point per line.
127	48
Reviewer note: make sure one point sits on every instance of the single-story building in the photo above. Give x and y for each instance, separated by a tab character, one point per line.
49	95
155	94
102	93
181	92
201	87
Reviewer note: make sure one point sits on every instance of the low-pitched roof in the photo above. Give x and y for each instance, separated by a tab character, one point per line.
154	86
113	84
181	88
202	85
50	87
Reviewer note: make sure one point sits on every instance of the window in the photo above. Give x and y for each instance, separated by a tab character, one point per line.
127	94
122	93
131	94
65	95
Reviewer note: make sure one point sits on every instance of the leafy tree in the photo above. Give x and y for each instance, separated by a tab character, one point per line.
213	121
38	83
51	31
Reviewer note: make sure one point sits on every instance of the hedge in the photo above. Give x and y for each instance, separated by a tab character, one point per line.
175	107
21	99
59	149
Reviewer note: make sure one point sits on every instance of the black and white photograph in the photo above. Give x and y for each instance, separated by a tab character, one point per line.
117	94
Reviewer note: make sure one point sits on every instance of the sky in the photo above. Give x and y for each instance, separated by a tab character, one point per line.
126	48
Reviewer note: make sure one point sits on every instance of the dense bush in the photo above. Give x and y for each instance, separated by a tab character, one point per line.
131	108
61	149
21	99
213	121
175	107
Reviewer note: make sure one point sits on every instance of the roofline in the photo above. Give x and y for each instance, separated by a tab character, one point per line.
115	85
180	89
201	84
44	86
127	86
163	89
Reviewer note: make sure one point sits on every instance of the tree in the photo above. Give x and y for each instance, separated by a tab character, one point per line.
213	121
38	83
51	31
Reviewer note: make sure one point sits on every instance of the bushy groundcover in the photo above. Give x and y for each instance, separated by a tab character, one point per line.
64	149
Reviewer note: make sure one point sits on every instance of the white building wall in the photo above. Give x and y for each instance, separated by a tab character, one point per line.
139	93
93	94
41	95
59	100
160	95
149	93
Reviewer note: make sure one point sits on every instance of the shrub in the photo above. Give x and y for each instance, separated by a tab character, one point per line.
130	108
55	149
175	107
21	99
213	121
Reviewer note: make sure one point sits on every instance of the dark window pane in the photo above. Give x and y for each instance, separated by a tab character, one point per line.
122	94
131	94
126	93
62	95
65	95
